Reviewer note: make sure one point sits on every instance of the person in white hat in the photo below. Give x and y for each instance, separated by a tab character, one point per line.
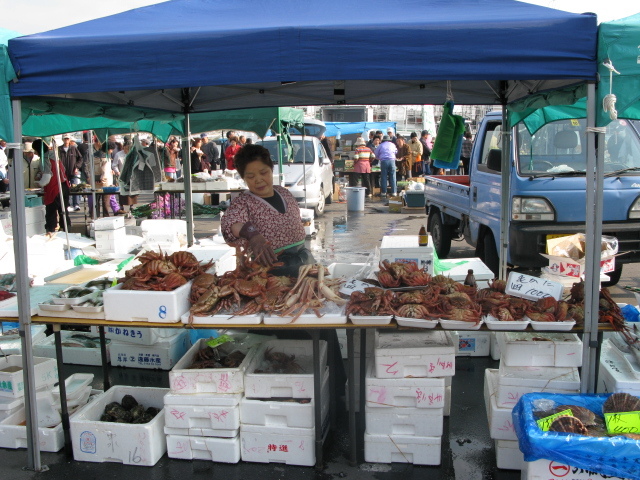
362	165
31	167
392	136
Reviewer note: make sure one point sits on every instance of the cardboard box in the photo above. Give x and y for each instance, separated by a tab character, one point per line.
207	199
395	204
575	268
130	444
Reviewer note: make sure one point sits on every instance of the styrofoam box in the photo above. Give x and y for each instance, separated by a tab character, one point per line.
508	455
112	240
225	450
224	257
286	385
34	214
284	414
495	347
202	411
146	306
45	372
418	422
500	420
472	343
130	444
9	406
414	354
162	355
14	435
138	335
459	272
405	248
202	432
518	349
386	393
447	401
402	449
184	380
73	355
618	371
271	444
12	344
108	223
513	382
544	469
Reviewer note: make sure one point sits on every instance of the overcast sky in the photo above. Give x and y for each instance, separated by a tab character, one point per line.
34	16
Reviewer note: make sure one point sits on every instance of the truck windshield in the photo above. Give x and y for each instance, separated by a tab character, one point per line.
560	148
272	146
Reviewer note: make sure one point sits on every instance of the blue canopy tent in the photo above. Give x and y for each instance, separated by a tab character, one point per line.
484	51
347	128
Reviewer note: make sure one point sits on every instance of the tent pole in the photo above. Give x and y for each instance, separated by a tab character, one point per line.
24	301
505	207
61	196
92	180
593	234
304	167
186	173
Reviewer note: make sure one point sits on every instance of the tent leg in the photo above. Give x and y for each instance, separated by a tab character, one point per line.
106	383
64	409
18	217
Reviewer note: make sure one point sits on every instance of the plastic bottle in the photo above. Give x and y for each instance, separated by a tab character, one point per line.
423	238
470	279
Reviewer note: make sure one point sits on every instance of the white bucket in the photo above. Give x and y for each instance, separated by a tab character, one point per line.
355	198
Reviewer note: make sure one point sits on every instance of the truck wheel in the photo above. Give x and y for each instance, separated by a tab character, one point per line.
329	198
489	253
614	277
441	235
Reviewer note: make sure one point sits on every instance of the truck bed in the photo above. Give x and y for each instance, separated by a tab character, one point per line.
450	193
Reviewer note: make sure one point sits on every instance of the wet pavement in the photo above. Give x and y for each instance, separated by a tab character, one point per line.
467	451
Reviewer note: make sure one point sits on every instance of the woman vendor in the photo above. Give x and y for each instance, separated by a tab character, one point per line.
265	219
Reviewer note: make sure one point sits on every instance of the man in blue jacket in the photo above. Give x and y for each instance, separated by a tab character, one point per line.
386	154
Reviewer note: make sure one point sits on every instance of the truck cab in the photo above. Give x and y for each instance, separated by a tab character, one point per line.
548	191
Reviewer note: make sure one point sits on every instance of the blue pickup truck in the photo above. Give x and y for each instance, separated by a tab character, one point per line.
547	196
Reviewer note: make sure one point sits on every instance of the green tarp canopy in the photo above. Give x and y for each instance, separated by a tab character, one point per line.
618	44
8	75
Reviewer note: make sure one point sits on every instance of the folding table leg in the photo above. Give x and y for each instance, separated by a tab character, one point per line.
64	410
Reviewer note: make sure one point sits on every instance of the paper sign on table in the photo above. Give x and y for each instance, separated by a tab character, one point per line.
532	288
622	422
353	285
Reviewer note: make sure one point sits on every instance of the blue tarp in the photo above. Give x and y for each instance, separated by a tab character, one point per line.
293	53
346	128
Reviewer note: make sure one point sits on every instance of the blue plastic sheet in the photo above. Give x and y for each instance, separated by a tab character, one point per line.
615	456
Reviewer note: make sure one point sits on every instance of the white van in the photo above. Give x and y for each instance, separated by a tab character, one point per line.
308	174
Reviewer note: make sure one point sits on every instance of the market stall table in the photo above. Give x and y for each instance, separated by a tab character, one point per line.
313	330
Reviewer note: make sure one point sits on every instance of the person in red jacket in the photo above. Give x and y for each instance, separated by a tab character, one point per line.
231	151
54	207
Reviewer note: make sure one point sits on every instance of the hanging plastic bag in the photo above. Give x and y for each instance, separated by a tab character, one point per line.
448	145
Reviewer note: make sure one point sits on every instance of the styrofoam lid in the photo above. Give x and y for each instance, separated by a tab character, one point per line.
74	385
402	241
459	272
529	337
545	378
208	399
8	403
622	366
423	340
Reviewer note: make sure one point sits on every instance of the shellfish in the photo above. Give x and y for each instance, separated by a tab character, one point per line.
568	424
586	416
621	402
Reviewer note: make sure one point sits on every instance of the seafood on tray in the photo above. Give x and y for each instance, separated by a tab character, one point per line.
162	272
251	289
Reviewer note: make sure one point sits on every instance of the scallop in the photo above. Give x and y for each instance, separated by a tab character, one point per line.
586	416
568	424
621	402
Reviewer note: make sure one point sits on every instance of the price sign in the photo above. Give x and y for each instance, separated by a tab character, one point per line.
353	285
545	423
532	288
622	422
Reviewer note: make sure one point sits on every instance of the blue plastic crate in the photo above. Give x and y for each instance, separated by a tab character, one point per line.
414	199
32	201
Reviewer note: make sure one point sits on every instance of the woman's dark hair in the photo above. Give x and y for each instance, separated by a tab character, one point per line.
250	153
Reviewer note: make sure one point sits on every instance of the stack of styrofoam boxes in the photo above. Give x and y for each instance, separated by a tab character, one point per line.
527	365
276	431
619	368
152	348
12	412
110	235
202	412
406	396
34	219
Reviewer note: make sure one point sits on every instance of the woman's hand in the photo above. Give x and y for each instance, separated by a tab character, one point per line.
262	251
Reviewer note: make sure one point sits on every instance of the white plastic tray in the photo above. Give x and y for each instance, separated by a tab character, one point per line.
553	326
460	325
306	319
72	301
416	322
494	324
370	319
53	307
88	309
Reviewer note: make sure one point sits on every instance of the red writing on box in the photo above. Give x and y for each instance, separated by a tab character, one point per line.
272	447
440	365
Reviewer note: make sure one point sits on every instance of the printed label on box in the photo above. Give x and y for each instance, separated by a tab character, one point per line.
467	345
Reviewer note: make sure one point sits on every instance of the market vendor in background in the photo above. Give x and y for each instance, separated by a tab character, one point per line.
362	165
170	154
416	155
31	166
56	209
403	158
266	218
